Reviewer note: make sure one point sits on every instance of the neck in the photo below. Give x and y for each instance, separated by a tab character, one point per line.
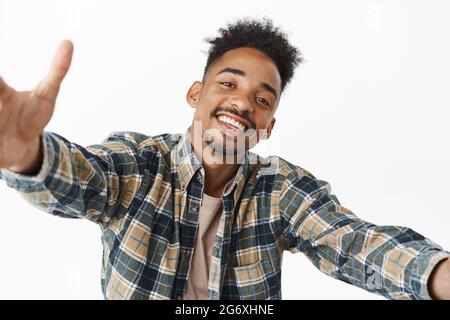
217	176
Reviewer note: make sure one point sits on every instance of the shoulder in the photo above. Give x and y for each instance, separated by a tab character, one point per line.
161	143
288	177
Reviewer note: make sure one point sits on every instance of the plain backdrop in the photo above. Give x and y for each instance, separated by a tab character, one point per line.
367	111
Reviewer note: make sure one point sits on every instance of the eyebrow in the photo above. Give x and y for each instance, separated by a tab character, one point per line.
241	73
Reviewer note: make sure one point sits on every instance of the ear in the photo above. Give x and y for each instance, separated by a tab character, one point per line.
270	127
194	93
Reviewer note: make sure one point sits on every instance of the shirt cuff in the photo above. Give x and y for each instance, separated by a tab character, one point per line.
424	267
23	182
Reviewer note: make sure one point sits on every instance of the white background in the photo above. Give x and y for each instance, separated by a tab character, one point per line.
367	111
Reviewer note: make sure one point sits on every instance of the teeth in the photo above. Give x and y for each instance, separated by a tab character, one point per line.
233	122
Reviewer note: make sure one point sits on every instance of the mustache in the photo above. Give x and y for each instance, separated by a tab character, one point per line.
244	115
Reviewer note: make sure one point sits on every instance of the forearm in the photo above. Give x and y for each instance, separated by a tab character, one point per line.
82	182
439	281
63	180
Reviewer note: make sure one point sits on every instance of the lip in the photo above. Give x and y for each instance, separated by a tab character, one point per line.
235	118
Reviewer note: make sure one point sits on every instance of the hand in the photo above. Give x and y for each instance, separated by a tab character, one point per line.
24	115
439	282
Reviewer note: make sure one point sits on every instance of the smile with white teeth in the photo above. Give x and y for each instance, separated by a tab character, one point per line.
232	122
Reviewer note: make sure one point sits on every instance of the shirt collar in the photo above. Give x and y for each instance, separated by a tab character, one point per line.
185	160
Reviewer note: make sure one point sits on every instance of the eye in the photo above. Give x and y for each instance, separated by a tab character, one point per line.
228	84
263	101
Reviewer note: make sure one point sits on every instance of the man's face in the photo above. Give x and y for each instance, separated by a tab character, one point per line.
237	98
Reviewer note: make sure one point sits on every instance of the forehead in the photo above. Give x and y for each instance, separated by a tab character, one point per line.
256	65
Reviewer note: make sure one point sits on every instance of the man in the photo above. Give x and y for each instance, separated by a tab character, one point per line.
197	215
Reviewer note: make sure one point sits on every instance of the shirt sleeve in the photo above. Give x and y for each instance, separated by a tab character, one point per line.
392	261
97	183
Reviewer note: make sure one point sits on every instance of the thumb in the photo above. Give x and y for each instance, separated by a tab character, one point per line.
49	86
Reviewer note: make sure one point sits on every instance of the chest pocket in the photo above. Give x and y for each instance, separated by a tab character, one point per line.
258	281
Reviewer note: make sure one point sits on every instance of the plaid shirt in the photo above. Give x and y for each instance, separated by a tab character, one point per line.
145	191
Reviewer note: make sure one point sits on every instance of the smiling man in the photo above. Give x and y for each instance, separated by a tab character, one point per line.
235	105
197	215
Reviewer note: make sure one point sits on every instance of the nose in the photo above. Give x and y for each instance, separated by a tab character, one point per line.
242	103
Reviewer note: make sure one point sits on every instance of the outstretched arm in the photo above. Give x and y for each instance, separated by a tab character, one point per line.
393	261
97	183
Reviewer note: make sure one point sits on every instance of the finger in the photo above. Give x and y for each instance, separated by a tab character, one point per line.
60	63
5	91
59	66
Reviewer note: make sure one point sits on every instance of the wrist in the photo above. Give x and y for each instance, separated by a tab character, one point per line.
32	161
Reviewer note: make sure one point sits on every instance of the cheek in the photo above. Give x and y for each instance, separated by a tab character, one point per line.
203	113
209	104
213	97
263	121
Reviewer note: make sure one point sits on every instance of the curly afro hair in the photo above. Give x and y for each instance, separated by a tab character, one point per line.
260	35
